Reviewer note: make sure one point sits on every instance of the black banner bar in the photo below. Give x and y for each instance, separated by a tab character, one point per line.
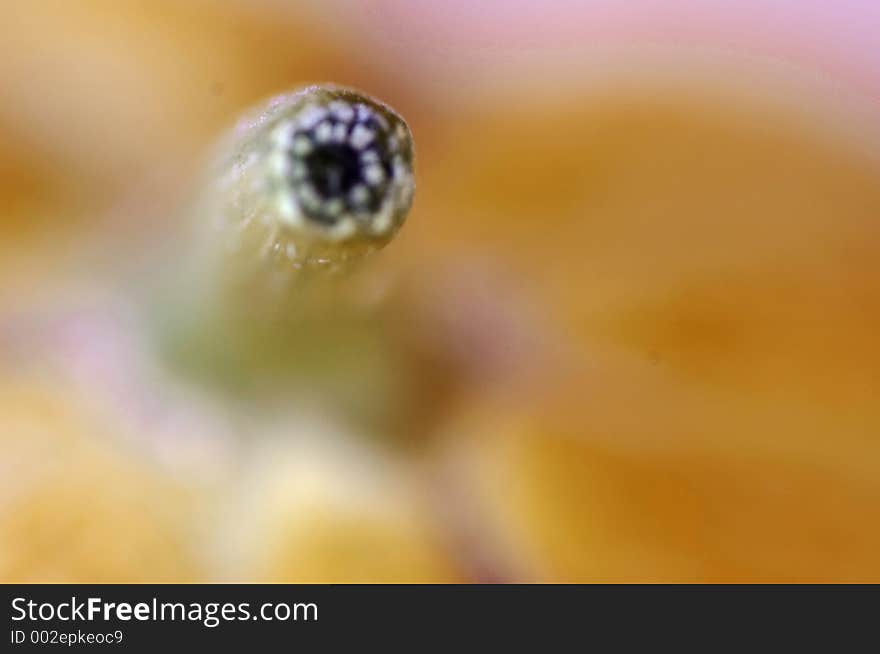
146	617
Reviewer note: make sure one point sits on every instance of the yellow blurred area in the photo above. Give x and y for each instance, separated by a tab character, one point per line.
699	261
103	97
315	516
75	507
608	484
732	242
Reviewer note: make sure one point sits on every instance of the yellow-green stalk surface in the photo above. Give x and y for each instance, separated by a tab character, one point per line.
305	187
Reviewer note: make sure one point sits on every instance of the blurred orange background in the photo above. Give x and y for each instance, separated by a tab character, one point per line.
630	326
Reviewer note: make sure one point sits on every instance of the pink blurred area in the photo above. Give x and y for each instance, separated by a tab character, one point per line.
836	39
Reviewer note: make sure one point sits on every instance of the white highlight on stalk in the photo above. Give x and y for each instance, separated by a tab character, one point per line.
344	229
364	113
361	137
340	132
334	207
323	132
298	171
311	116
383	220
342	110
374	174
309	197
283	135
288	210
359	195
301	146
